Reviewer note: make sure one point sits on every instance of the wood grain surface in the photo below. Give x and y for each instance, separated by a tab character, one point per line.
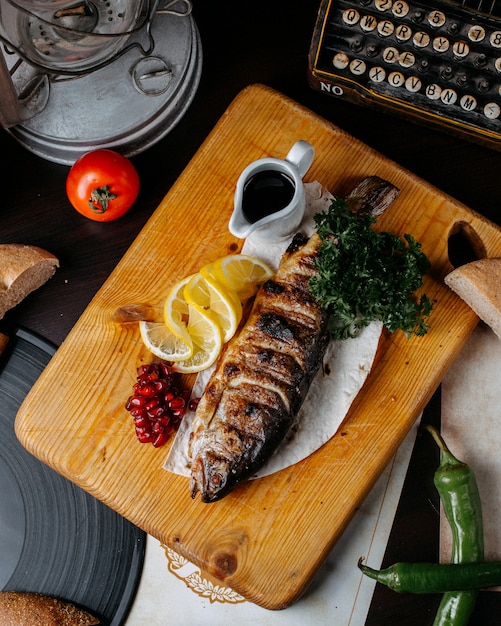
267	539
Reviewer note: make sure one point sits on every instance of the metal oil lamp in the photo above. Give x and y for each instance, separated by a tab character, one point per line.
76	75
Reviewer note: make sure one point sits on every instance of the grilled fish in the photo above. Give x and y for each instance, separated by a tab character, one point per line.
262	378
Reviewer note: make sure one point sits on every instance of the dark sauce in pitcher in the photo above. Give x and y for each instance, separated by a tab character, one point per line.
265	193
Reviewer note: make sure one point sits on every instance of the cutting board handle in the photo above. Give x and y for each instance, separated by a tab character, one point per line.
464	244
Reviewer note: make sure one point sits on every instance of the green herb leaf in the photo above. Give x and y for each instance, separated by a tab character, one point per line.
364	275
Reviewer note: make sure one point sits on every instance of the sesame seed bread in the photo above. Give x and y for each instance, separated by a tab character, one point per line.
23	269
34	609
479	284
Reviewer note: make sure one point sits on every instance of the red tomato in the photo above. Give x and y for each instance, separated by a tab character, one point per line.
102	185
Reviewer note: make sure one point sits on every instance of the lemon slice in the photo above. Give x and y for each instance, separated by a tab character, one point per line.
242	273
207	271
223	303
163	343
176	312
207	341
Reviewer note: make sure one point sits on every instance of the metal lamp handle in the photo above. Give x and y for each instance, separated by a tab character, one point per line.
20	102
10	108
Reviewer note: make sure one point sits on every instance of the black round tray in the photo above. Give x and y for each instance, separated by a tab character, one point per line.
55	538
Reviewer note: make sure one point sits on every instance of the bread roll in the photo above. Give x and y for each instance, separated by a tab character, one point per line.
479	284
22	270
33	609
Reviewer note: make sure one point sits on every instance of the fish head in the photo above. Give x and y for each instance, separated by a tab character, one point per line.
210	476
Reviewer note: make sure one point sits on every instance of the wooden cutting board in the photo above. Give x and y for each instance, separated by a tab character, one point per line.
267	539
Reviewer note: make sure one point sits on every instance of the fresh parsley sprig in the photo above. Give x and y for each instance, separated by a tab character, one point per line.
365	275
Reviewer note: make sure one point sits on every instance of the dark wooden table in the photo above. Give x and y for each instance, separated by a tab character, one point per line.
245	43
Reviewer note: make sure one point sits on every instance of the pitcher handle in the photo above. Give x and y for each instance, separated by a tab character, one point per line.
301	155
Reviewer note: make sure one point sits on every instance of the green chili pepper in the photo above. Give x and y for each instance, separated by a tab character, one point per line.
458	490
436	577
456	608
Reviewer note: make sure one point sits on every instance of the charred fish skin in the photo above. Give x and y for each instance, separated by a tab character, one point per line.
259	385
262	378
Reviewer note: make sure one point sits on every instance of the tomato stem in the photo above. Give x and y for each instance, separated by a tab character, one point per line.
99	199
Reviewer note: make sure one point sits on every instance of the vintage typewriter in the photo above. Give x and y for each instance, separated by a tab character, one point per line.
436	61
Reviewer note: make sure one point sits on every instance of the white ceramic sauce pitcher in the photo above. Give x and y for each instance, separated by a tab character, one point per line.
269	197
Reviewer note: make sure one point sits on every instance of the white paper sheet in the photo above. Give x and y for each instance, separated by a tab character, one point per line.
471	427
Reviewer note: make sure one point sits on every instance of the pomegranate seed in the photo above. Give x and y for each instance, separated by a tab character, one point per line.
147	390
141	422
193	404
161	386
156	412
165	369
157	405
145	437
177	403
157	427
160	439
135	402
